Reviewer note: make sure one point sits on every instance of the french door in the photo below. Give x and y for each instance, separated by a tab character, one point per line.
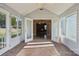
29	30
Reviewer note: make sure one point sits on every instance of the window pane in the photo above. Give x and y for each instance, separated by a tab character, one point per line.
2	30
14	27
71	27
63	26
19	27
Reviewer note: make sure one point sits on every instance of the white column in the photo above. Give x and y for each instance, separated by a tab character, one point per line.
8	23
22	29
23	33
77	32
32	29
59	32
17	25
52	29
25	29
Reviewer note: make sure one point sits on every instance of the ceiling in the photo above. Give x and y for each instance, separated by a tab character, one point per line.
25	8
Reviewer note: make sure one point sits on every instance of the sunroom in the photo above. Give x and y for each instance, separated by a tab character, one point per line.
17	24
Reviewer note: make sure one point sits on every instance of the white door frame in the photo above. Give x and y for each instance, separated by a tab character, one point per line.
25	29
51	28
27	40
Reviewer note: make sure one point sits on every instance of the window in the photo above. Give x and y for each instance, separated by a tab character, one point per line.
71	27
55	30
13	27
2	30
19	27
63	26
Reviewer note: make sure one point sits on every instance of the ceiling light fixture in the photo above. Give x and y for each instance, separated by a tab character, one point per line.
41	9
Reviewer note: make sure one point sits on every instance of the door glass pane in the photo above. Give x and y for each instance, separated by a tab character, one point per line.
2	30
29	29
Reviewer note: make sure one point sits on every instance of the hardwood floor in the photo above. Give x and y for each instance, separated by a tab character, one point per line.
15	50
40	47
38	52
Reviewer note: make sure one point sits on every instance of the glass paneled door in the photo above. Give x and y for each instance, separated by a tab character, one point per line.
29	30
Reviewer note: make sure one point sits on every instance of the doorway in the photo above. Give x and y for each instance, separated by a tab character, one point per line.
42	29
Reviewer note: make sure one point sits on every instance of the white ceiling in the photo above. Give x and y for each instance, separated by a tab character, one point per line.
25	8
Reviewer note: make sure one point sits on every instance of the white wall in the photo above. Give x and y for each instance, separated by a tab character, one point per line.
70	43
7	31
44	14
10	42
